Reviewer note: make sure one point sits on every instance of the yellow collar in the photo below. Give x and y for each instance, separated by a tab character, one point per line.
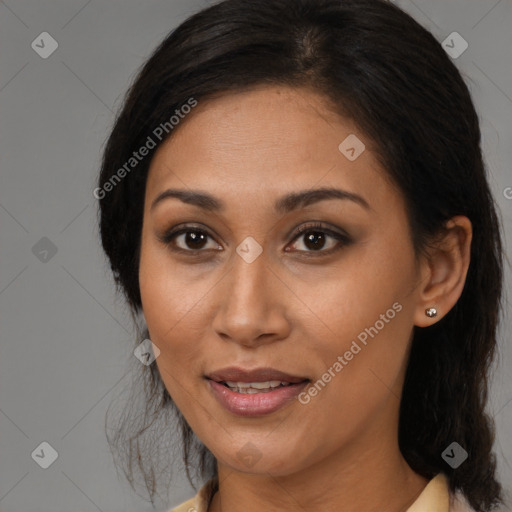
435	497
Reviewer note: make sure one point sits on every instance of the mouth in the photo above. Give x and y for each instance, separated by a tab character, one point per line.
254	392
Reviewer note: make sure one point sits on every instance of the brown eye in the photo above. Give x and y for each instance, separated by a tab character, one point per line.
317	238
189	240
195	239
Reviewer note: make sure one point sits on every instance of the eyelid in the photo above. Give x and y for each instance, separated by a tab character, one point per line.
318	225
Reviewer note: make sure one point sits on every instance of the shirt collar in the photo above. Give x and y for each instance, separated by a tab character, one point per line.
435	496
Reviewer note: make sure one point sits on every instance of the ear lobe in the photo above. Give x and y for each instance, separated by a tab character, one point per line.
445	269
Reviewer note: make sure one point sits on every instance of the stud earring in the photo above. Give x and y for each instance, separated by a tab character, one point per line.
431	312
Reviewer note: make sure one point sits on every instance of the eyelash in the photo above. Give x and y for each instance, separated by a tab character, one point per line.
343	239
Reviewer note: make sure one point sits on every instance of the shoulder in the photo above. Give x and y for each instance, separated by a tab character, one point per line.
201	501
187	506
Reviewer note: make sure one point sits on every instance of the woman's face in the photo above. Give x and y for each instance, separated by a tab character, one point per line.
239	287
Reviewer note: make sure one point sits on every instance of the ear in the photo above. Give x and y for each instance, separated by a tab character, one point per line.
444	270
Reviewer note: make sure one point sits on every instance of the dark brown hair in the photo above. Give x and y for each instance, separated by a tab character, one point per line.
375	64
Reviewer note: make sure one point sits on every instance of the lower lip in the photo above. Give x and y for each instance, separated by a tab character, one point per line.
255	404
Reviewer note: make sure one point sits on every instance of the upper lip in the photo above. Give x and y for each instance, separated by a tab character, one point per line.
237	374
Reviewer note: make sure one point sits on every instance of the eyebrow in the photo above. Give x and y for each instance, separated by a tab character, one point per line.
284	204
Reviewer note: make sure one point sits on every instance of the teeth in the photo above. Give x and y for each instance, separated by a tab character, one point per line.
255	387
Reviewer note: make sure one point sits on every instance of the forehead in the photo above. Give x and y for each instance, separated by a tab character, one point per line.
263	142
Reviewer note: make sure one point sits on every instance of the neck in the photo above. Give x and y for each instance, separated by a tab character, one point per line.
369	475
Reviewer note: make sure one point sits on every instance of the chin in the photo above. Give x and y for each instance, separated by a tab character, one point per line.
259	461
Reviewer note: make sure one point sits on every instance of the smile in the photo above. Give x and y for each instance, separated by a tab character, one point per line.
242	399
255	387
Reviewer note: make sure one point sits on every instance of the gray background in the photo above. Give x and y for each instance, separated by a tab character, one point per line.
65	337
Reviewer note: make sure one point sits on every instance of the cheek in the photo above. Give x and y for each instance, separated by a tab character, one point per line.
368	312
360	290
175	305
168	294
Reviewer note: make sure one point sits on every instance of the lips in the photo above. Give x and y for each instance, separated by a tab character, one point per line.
254	392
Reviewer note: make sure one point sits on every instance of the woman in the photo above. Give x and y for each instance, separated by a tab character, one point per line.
294	199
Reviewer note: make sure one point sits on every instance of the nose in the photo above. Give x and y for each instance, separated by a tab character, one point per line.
252	302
